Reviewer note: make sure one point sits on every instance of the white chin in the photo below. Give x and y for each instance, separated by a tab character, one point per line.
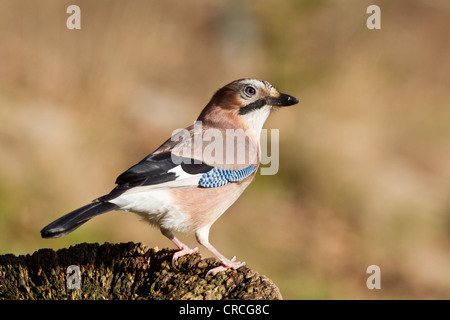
256	119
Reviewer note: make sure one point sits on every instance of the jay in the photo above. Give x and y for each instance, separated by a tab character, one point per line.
195	176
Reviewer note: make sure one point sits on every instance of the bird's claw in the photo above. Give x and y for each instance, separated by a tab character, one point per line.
226	264
184	251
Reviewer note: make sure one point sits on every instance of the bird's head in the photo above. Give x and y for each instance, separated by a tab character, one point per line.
244	103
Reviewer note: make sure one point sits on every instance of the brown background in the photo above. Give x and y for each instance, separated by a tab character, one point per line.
364	158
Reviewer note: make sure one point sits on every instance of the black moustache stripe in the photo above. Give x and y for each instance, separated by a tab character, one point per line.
258	104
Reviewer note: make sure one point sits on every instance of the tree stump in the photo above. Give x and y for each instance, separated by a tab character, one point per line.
122	272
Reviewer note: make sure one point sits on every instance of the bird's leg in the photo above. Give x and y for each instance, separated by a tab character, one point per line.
202	236
184	249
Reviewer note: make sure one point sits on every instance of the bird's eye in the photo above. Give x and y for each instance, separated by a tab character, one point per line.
250	91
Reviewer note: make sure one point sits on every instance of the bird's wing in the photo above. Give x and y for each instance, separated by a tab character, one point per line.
160	168
179	163
156	171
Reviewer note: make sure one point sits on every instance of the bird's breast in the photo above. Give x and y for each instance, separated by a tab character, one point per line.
203	206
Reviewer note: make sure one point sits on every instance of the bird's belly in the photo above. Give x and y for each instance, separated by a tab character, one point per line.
203	206
156	207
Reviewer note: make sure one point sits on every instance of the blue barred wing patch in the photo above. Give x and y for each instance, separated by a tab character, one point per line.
219	177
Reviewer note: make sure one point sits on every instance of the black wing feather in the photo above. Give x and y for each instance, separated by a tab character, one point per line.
153	170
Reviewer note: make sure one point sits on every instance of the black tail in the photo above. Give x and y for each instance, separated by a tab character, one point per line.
76	218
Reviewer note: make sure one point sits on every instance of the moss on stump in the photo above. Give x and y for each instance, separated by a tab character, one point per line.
125	271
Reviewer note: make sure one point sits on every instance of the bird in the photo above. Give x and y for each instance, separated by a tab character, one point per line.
187	183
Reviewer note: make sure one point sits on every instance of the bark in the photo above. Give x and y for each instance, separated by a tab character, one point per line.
125	271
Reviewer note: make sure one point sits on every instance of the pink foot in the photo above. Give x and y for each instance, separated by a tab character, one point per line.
184	251
226	264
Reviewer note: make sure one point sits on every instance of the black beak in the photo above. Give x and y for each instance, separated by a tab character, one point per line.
283	100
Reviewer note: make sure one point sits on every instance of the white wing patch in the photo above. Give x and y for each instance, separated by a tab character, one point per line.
183	178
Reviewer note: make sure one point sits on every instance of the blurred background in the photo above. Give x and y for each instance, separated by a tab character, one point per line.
364	172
